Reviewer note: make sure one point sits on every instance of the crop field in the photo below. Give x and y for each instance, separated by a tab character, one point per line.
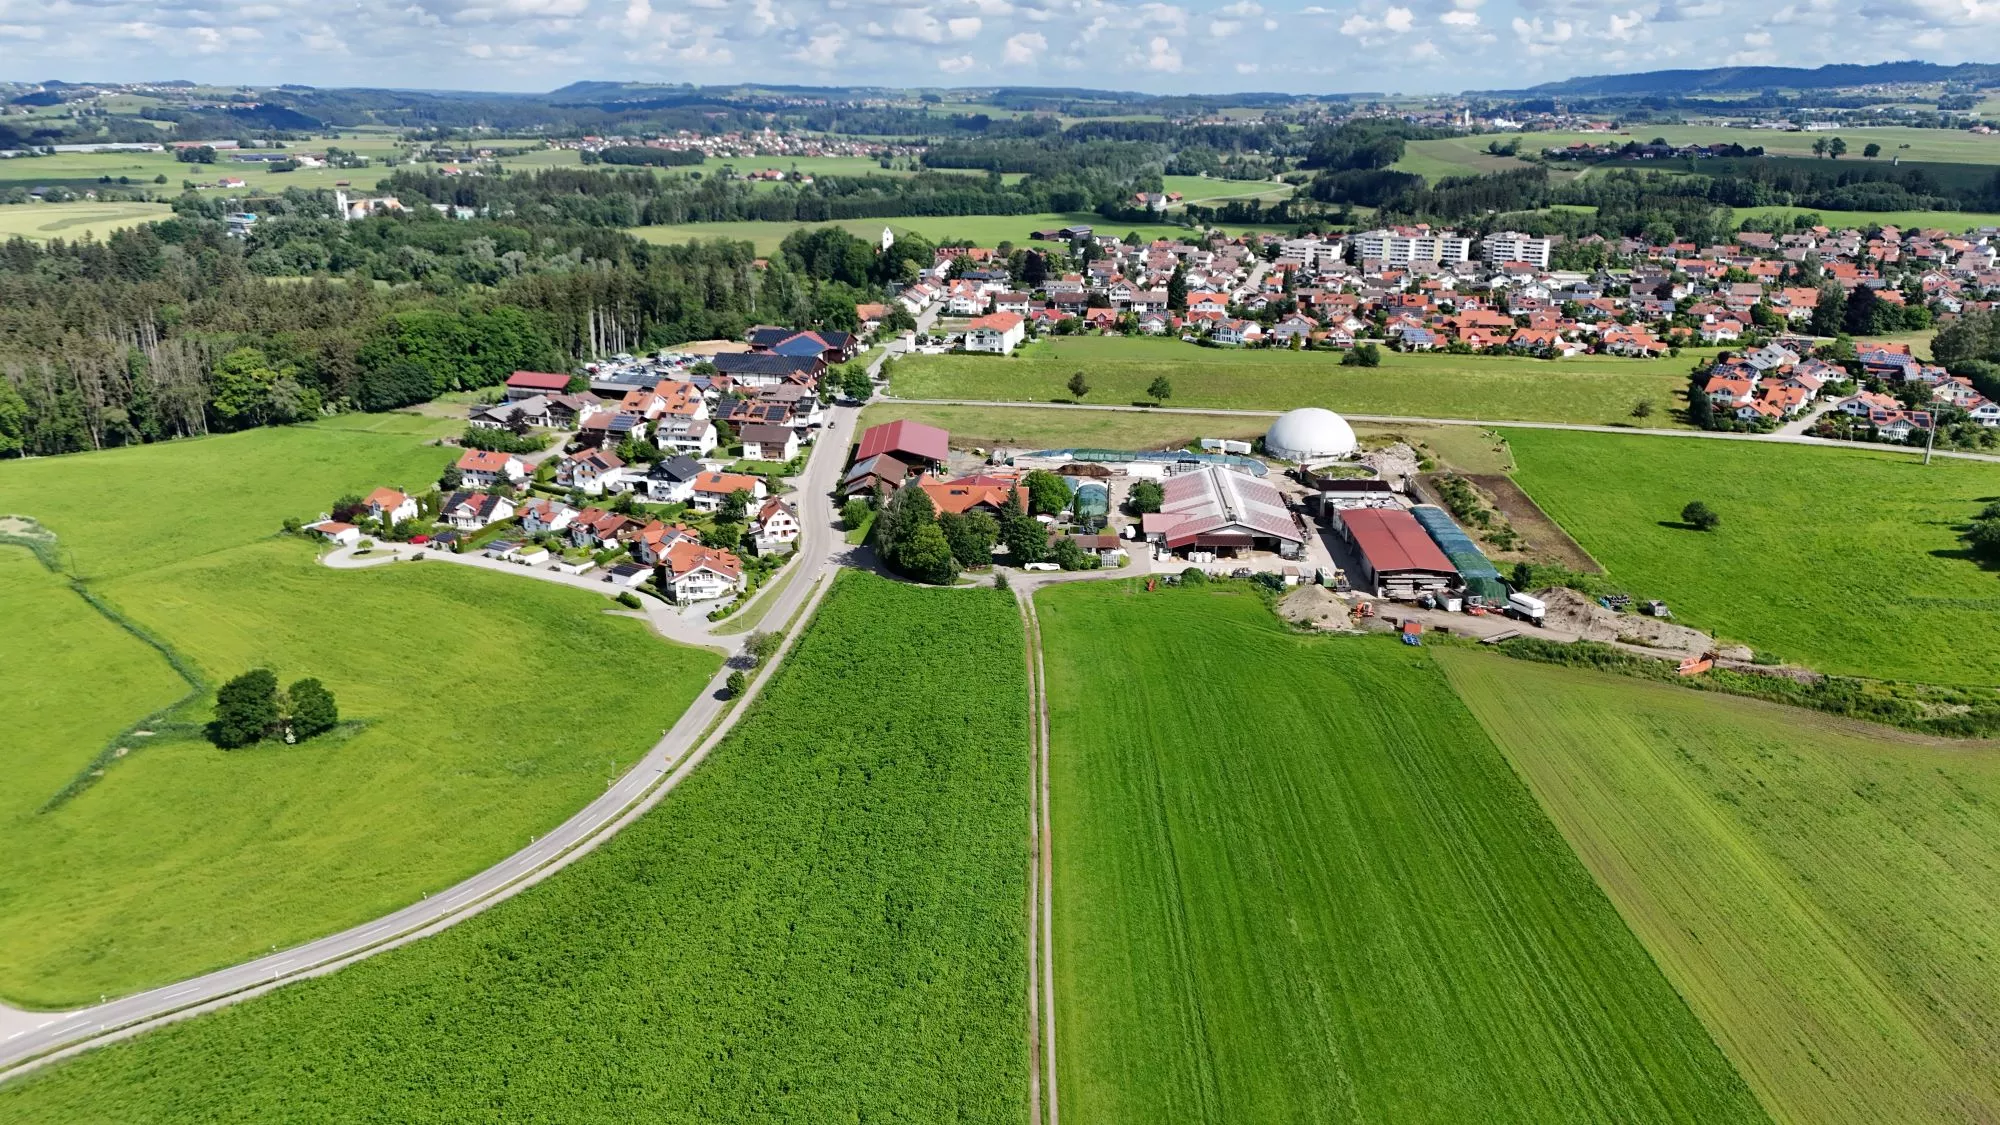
1826	895
1465	156
823	923
182	857
1295	881
1847	560
1592	389
978	230
1210	190
71	221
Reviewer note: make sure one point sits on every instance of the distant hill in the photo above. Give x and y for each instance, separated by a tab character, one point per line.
1749	79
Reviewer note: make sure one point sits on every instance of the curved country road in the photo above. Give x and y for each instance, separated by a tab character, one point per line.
31	1039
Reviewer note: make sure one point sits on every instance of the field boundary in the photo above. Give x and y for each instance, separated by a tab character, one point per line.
45	546
1041	884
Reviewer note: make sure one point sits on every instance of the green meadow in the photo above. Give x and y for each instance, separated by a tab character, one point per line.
1591	389
41	222
823	923
1295	881
466	732
1847	560
1825	894
976	230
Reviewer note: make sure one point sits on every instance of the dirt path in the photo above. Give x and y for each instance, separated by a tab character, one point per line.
1543	535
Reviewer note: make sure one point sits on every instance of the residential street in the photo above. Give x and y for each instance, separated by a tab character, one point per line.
28	1039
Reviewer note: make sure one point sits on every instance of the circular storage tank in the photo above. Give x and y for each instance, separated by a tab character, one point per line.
1310	434
1091	504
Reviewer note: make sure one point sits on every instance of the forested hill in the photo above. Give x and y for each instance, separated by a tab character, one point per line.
1753	78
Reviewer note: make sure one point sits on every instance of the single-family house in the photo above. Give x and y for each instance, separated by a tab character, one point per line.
1237	332
539	515
712	488
774	526
693	437
591	471
470	511
672	481
763	441
595	527
390	506
690	572
651	543
482	468
335	532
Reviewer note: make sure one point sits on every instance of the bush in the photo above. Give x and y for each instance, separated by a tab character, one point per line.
629	600
736	683
1146	496
854	513
502	441
1700	516
1194	576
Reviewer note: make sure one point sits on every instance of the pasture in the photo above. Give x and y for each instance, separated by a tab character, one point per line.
1591	389
1020	427
1940	146
1212	191
182	857
823	923
976	230
1825	894
40	222
1294	881
1847	560
1957	222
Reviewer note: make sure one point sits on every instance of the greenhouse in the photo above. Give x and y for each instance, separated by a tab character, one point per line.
1479	573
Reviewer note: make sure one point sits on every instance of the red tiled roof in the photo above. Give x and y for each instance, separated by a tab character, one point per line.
538	381
1393	540
905	437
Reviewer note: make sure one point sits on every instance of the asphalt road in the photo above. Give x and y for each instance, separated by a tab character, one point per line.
44	1037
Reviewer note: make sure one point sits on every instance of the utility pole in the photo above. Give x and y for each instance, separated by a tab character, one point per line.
1930	437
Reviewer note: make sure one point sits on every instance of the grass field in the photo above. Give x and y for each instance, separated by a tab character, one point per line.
824	923
1021	427
1825	895
978	230
1462	156
181	857
1296	882
1943	146
1955	221
1593	389
1211	191
1844	559
71	221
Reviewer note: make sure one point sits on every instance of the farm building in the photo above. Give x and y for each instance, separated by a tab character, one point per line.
1474	568
1218	509
911	443
1397	557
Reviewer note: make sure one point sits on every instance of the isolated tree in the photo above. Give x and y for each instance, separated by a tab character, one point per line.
1819	147
1871	150
1078	385
310	709
1700	516
1160	389
855	383
246	709
1836	148
1983	537
1146	496
735	684
735	506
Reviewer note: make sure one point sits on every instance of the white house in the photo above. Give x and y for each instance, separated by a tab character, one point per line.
470	511
712	488
776	525
672	481
691	572
539	515
391	506
766	441
481	469
335	532
592	471
693	437
997	332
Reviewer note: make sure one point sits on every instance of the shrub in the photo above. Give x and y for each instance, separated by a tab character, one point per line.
1194	576
629	600
736	683
1700	516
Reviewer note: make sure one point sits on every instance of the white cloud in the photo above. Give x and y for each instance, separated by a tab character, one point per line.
1247	68
1757	38
1242	8
1023	49
1425	50
1162	55
1398	20
1622	27
1542	39
1460	18
1223	29
957	64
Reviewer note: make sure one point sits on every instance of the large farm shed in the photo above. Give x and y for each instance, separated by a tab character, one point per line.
1217	509
1398	558
912	443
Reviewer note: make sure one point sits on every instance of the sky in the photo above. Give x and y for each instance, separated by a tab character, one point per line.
1331	46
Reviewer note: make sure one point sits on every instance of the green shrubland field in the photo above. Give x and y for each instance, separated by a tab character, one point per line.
823	923
478	719
1592	389
1295	881
1847	560
1825	894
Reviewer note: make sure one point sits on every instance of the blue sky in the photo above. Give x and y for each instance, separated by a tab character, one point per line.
1330	45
